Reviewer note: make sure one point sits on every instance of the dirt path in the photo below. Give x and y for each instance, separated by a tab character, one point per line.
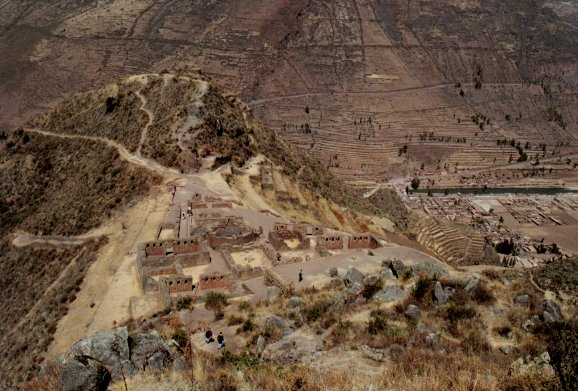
24	239
124	153
380	93
105	293
149	123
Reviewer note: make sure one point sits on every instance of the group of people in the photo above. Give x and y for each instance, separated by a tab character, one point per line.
220	339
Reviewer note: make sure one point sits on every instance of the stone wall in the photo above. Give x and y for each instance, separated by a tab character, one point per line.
177	283
194	259
362	241
156	248
218	243
214	281
331	242
185	246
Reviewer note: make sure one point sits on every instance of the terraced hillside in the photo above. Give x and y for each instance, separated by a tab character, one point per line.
353	81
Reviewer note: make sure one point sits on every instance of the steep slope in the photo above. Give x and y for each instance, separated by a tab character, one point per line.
50	187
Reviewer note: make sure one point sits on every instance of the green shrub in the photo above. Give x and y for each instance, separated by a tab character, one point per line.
371	289
244	306
181	337
215	300
248	325
316	310
183	302
458	312
377	323
234	320
241	360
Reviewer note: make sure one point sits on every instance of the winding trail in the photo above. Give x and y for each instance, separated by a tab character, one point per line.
146	127
123	152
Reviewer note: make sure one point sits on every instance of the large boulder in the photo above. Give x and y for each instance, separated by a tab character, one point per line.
296	302
553	309
439	294
275	322
273	293
110	348
413	312
390	293
94	361
348	295
398	268
522	300
353	276
333	272
149	351
429	268
473	283
84	374
540	363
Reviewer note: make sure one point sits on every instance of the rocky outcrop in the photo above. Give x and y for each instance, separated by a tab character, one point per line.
93	362
353	276
390	293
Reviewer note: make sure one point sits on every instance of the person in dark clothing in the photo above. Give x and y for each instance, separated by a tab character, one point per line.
209	336
300	275
221	341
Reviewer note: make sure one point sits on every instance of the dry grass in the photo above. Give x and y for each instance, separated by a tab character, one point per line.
23	348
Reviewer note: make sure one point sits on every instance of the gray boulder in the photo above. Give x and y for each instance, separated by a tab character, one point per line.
449	291
553	309
353	276
523	300
273	293
431	338
430	268
296	302
439	294
422	328
389	294
348	295
413	312
84	374
261	343
473	283
506	349
333	272
548	317
398	268
110	348
386	274
275	322
149	351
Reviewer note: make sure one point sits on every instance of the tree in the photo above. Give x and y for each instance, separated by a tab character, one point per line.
415	183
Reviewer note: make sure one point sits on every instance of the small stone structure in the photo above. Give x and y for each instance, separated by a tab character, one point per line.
363	241
330	242
281	233
177	283
215	280
232	232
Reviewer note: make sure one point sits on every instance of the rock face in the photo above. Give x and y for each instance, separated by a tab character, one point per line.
84	374
353	276
93	362
398	268
389	294
261	343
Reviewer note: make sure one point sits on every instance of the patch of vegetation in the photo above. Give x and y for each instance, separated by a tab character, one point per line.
30	307
243	360
377	323
180	336
560	275
183	302
216	300
316	310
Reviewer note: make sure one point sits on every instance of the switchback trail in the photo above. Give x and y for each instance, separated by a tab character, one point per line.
146	127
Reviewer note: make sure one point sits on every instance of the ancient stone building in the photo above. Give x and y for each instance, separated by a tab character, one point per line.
216	280
363	241
331	242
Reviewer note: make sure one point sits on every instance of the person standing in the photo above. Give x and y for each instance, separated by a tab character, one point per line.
220	341
209	336
300	275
